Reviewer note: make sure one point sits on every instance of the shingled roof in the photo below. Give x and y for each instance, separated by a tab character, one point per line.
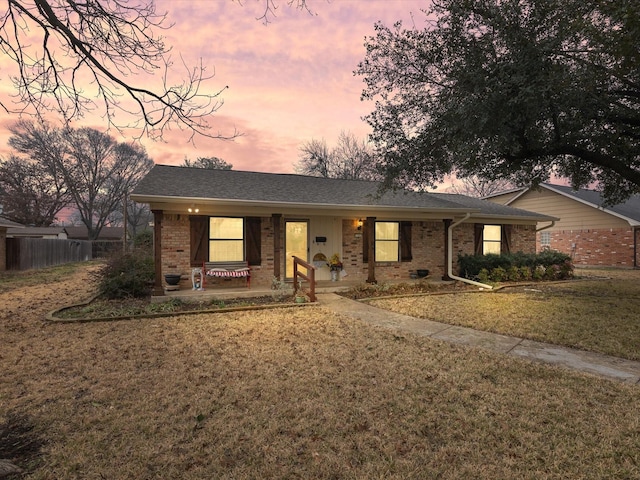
629	210
164	183
6	223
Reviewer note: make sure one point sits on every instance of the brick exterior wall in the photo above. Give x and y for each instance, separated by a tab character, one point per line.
597	247
176	254
523	238
175	242
263	274
427	249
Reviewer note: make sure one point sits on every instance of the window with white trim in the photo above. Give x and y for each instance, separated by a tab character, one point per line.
491	239
387	243
226	239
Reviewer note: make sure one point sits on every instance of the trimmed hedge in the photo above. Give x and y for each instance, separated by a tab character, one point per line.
547	265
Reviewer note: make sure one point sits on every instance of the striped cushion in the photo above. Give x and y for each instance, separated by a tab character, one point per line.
219	272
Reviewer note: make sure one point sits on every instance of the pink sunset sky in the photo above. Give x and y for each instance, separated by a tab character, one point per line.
289	81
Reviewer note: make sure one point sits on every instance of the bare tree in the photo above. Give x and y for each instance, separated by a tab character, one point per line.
73	57
351	158
271	6
97	171
212	163
31	195
138	216
475	186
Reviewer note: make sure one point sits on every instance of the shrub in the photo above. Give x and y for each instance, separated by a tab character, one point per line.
127	275
525	273
513	273
547	265
144	240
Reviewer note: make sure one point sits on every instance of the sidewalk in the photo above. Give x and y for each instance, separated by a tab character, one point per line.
627	371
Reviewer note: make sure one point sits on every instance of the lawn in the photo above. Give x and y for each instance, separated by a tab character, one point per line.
599	312
290	393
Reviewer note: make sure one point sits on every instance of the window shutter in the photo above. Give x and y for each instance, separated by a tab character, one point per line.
405	242
477	238
199	233
254	243
365	242
505	239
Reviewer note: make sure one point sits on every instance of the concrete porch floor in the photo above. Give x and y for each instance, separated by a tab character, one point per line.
238	290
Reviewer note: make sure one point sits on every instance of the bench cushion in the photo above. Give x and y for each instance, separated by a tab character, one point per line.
223	272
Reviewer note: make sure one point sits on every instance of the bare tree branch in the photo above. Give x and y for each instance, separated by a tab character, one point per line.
84	61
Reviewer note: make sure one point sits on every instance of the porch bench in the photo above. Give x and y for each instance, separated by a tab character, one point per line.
227	270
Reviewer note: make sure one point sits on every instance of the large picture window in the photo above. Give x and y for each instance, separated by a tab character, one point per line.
226	239
387	243
491	239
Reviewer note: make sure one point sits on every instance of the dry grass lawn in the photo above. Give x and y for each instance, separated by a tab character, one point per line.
599	313
290	393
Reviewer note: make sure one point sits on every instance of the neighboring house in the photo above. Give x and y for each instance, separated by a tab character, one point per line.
110	239
265	219
106	233
5	225
592	234
37	232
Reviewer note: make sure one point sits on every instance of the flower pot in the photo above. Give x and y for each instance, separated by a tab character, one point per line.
300	299
334	275
172	278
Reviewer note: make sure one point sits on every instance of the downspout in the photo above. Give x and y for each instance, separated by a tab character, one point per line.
553	222
450	255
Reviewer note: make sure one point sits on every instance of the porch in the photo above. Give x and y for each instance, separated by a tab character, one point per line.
238	290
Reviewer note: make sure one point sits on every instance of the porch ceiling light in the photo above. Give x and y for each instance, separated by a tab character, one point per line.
193	209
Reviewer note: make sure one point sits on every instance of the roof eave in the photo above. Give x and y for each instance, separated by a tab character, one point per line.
530	218
201	201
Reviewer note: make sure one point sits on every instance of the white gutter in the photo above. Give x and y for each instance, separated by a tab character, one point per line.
450	256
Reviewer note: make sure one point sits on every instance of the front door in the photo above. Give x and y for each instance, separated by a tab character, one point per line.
296	241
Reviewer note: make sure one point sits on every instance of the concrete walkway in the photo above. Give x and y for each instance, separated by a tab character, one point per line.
627	371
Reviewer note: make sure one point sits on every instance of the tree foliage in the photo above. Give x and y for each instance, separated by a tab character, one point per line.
520	89
475	186
212	163
350	158
97	172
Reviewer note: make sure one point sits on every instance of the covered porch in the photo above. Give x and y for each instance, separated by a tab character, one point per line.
236	290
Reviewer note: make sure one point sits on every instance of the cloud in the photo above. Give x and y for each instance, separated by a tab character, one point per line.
289	81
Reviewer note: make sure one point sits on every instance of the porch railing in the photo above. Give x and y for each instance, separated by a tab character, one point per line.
310	277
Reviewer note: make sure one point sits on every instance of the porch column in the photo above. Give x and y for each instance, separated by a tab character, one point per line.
447	224
370	226
276	221
157	253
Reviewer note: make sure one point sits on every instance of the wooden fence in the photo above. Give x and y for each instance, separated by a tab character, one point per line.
28	253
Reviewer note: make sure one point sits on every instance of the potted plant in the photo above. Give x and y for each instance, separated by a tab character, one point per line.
335	265
300	296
